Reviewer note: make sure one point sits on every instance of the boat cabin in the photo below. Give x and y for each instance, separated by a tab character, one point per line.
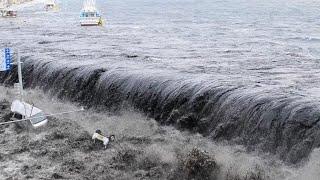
90	18
90	14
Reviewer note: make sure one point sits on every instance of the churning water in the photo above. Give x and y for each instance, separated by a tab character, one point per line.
236	70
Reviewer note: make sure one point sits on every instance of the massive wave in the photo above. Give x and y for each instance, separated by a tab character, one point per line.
263	120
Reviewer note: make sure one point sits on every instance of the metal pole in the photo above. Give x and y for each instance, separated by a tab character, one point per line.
20	76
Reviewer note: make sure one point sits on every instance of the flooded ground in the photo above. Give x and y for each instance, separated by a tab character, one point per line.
142	150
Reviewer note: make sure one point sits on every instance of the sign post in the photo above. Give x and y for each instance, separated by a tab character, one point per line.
20	76
6	65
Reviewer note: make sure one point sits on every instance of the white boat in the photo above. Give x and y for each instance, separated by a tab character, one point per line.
89	14
51	5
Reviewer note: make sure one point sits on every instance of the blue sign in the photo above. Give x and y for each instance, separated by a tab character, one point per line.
6	60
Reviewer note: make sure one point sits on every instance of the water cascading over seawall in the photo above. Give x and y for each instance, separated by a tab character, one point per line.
285	125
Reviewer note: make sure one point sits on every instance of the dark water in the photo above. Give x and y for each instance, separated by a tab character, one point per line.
242	71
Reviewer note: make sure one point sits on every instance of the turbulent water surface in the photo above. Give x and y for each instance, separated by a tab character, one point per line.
243	71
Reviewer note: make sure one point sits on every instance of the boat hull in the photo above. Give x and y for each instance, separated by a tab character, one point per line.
90	24
91	21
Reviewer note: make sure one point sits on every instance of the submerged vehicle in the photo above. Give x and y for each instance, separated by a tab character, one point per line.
89	14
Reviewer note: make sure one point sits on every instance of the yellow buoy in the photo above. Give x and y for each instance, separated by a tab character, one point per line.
100	23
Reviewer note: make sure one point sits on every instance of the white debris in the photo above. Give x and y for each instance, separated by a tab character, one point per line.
35	115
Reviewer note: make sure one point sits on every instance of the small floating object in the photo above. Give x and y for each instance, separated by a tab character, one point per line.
35	115
98	135
89	14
